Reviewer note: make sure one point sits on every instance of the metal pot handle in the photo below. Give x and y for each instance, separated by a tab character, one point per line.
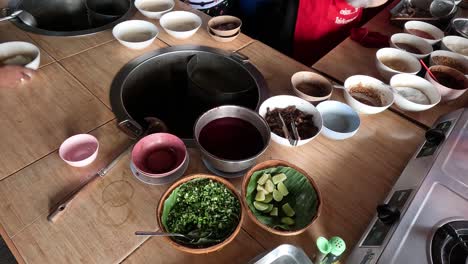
239	57
131	128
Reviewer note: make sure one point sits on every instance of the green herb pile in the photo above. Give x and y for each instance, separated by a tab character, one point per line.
204	206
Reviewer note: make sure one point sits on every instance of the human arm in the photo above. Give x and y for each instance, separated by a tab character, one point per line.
12	75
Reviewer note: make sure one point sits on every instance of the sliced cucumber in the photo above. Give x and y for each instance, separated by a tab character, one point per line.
269	186
264	178
268	198
260	206
282	189
274	211
287	220
270	207
287	209
260	196
279	178
277	196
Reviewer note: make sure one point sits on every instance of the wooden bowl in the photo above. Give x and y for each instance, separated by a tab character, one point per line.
199	250
270	164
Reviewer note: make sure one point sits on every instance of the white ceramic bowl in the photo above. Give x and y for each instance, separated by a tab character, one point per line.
79	150
339	120
447	93
412	81
311	78
13	48
460	59
455	44
180	24
387	72
154	9
135	34
283	101
378	87
414	41
426	27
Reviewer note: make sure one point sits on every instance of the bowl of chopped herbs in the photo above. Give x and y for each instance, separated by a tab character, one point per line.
207	209
281	197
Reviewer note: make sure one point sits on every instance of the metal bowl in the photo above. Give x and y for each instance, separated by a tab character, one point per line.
460	25
232	166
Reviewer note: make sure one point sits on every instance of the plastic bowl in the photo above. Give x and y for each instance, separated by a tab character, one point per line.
340	121
135	34
159	155
283	101
79	150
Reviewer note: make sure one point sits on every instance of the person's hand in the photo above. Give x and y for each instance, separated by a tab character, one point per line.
366	3
11	76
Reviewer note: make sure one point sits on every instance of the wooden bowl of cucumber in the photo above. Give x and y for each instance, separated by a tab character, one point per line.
280	197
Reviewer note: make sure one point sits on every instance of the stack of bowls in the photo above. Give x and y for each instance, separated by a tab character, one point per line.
159	158
224	28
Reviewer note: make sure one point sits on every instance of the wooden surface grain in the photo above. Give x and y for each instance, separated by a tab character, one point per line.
37	116
350	58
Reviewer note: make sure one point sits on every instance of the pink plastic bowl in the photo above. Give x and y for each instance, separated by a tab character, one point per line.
79	150
159	155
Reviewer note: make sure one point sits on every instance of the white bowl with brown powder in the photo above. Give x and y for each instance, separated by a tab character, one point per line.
367	95
391	61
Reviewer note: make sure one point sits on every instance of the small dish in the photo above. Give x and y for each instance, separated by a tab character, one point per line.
20	53
79	150
225	26
311	208
180	24
449	59
415	82
391	61
283	101
154	9
340	121
222	39
455	44
159	155
367	95
416	46
428	32
448	93
135	34
311	86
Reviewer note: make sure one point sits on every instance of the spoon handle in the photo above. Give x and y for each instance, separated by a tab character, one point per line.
13	15
153	233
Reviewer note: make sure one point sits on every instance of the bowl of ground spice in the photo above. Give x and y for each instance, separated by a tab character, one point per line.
205	208
449	59
428	32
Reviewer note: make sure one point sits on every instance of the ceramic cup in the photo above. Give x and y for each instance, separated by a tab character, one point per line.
159	155
79	150
339	120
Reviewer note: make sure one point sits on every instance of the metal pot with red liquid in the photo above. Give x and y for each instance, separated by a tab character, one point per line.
231	138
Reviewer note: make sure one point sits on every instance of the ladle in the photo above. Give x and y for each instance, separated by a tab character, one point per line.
22	15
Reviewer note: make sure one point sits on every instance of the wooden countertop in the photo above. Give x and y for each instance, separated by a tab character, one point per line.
350	58
69	95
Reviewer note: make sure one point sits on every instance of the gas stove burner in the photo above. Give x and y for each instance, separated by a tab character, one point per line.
450	244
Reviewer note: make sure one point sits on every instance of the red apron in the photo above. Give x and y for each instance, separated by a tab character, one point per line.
320	26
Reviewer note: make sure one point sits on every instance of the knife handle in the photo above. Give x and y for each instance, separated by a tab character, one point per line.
60	209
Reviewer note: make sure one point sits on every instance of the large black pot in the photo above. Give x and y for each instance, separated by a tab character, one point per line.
158	84
73	18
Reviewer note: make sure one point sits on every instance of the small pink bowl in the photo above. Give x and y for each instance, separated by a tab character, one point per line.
159	155
79	150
